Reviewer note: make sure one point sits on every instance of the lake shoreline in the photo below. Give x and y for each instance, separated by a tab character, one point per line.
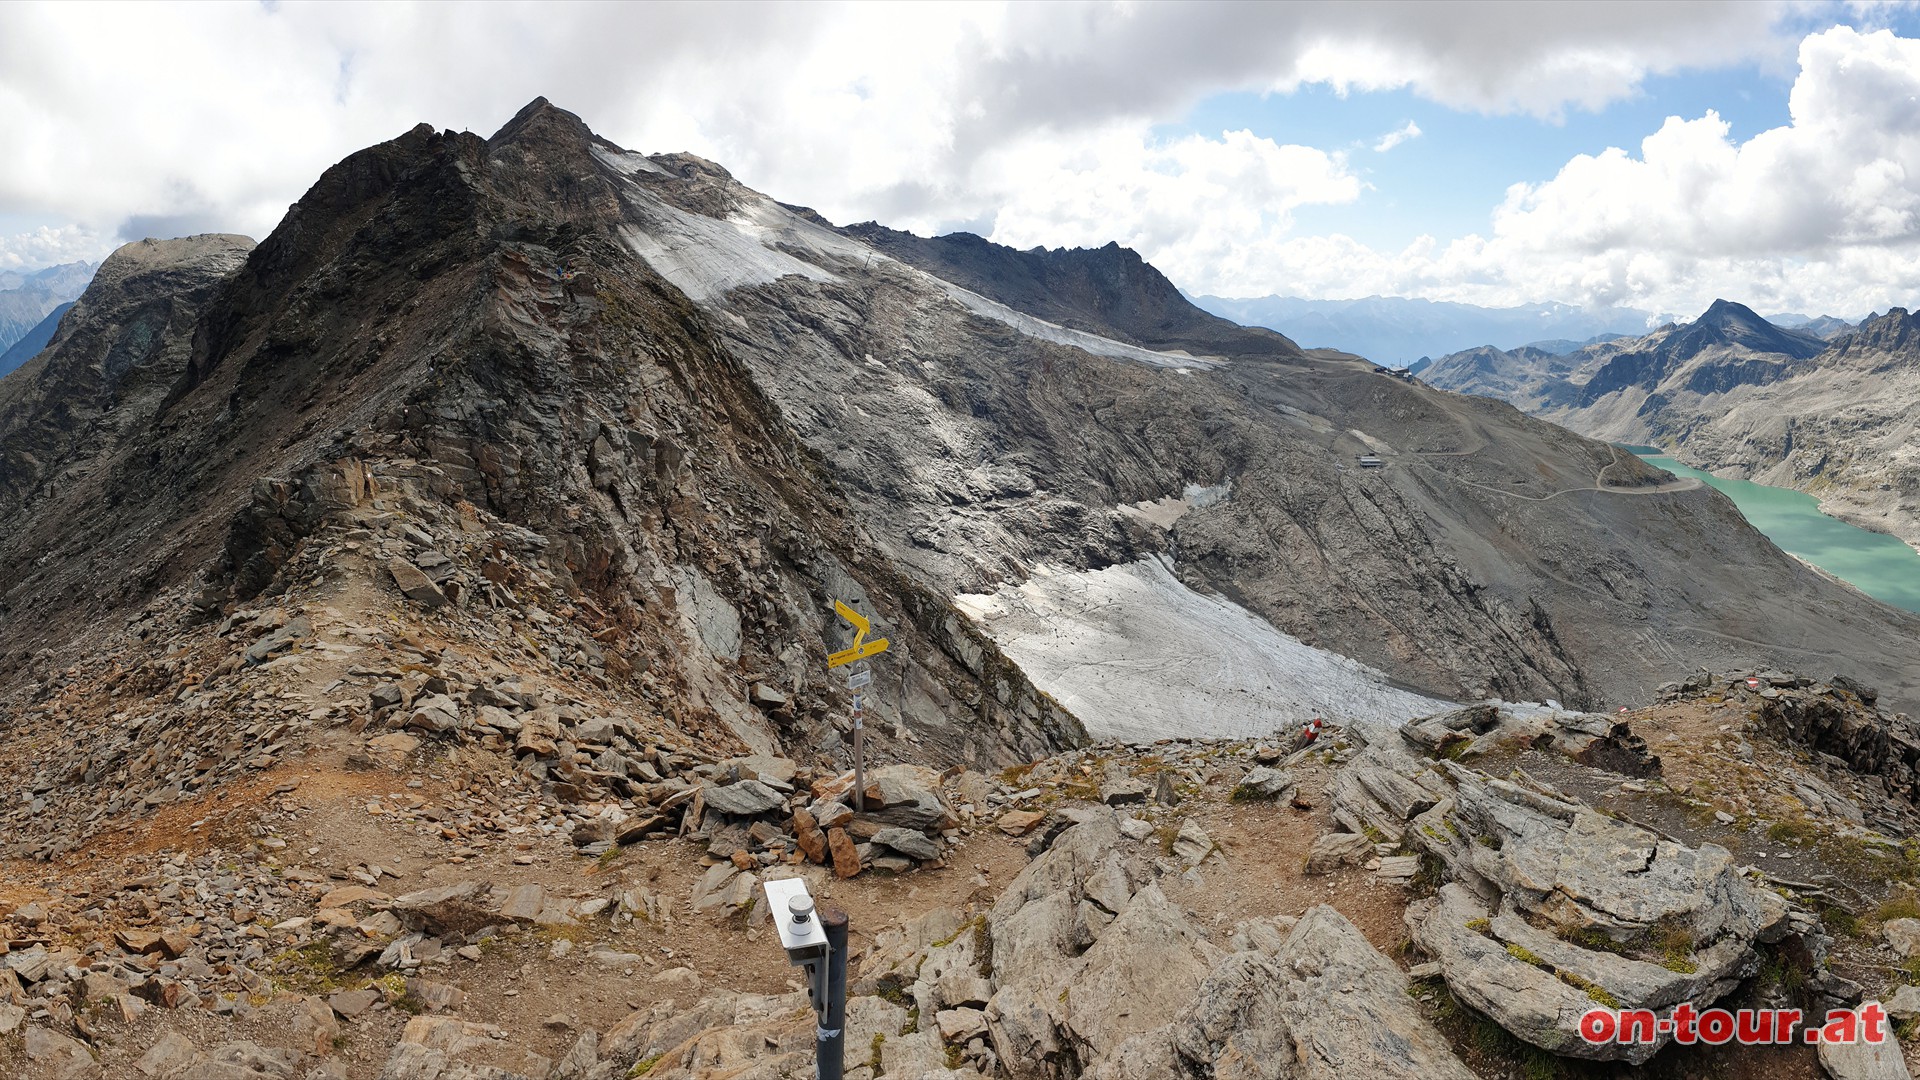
1878	564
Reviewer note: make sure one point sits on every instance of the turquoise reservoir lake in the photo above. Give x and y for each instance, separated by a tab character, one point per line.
1877	564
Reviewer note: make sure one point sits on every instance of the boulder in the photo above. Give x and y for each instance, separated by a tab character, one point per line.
172	1056
915	845
846	857
1903	936
434	713
926	812
596	732
59	1057
313	1027
895	785
415	584
777	772
959	1025
831	814
443	909
1118	788
349	1004
746	798
1264	785
1862	1060
1521	996
1325	1005
710	889
524	903
1192	844
438	1047
808	835
1020	822
1335	850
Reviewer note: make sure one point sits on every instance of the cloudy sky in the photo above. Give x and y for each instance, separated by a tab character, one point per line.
1651	155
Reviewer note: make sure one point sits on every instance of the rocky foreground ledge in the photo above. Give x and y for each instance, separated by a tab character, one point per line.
1446	901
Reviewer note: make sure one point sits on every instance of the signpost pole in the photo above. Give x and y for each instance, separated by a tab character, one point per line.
830	1055
858	679
859	756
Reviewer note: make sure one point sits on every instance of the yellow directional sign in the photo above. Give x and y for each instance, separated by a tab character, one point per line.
861	647
858	652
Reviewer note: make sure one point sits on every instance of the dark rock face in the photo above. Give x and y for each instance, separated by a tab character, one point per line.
410	308
101	378
1838	720
1760	352
1109	290
1893	337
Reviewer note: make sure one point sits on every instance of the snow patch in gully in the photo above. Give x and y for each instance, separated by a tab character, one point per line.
1137	655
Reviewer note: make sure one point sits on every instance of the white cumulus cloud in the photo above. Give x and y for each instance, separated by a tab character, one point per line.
1037	124
1201	206
1821	214
1391	139
50	246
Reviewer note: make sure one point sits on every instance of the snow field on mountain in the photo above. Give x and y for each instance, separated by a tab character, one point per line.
706	258
1137	655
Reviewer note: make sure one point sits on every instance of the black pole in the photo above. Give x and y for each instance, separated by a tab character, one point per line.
831	1054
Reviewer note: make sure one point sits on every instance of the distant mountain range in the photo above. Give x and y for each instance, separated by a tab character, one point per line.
1825	327
1398	331
1742	396
27	298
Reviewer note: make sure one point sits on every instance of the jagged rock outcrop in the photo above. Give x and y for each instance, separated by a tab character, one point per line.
1324	1005
119	356
408	323
1551	908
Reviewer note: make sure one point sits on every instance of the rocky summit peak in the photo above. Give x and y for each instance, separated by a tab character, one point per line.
1728	323
1730	313
541	121
225	250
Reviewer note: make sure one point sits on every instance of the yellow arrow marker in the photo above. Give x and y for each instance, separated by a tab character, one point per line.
861	647
858	652
859	621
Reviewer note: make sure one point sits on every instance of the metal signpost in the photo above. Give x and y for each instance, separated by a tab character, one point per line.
817	944
858	679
